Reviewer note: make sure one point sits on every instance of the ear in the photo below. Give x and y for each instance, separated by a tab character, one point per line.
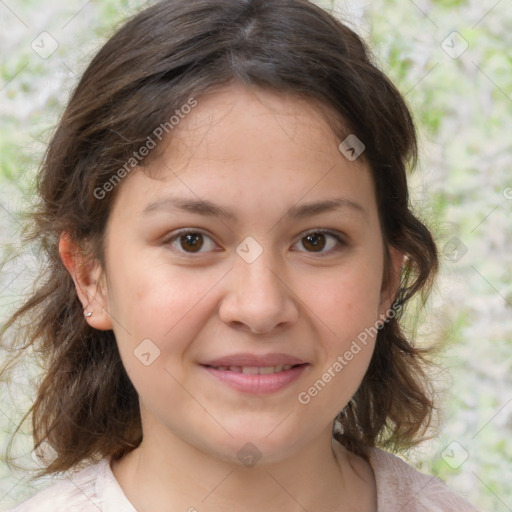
89	281
391	280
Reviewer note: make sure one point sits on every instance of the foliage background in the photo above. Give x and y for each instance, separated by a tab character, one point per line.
462	188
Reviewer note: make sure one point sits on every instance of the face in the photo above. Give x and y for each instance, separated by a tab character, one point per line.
252	243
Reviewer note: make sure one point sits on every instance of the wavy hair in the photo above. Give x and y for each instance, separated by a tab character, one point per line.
86	407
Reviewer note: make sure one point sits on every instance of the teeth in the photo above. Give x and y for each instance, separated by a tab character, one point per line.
256	370
250	370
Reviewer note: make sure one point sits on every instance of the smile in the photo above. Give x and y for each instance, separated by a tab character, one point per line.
255	370
256	379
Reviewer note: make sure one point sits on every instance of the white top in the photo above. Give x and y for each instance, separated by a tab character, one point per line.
400	487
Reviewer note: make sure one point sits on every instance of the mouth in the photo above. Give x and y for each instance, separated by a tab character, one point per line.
256	370
256	379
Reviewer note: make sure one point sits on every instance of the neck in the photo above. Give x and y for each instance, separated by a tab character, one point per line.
321	476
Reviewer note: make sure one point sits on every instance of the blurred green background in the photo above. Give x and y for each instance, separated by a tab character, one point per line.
452	61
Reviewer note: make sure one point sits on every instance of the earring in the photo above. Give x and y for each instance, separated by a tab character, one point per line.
87	315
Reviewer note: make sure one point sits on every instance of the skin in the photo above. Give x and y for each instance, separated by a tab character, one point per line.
257	153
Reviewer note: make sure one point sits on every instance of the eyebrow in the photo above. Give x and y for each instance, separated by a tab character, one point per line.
210	209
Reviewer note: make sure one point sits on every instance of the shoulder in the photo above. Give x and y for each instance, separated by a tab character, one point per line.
89	489
398	483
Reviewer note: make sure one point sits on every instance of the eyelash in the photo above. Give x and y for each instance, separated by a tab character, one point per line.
341	242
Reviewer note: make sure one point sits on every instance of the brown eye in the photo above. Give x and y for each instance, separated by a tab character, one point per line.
322	242
191	242
188	241
314	241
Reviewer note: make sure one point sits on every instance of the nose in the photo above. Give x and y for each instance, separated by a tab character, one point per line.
257	298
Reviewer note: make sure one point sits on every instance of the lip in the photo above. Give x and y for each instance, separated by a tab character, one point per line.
254	360
257	384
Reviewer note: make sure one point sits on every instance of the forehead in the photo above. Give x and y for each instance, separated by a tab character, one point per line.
249	147
238	121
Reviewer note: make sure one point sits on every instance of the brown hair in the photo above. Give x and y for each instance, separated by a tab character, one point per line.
86	407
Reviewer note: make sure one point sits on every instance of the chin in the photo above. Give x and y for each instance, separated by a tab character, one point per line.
258	444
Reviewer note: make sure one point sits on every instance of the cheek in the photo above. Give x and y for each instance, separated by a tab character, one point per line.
348	305
166	304
346	300
150	295
158	311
